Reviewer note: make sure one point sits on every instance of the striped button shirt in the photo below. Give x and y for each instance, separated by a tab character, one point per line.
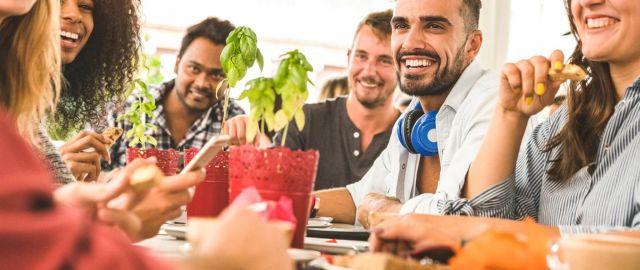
602	196
205	127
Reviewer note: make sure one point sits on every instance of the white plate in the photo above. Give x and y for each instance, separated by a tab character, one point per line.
325	219
339	247
302	255
318	224
298	255
178	231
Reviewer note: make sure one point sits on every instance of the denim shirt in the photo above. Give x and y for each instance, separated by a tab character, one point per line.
461	124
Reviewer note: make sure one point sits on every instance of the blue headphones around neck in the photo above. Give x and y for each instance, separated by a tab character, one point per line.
417	132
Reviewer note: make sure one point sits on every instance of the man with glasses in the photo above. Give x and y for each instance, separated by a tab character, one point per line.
188	112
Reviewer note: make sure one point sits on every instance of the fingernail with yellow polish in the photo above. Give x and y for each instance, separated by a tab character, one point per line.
540	89
558	66
528	101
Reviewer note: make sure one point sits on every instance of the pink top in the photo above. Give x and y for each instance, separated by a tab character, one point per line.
37	234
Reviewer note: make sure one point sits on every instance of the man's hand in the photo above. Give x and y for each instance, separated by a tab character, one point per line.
163	201
375	202
236	128
241	239
82	155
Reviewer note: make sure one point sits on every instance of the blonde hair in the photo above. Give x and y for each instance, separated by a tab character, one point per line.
334	87
30	72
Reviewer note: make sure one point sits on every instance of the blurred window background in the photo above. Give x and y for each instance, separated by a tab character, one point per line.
323	29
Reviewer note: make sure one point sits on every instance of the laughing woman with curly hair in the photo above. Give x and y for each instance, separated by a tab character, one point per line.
100	43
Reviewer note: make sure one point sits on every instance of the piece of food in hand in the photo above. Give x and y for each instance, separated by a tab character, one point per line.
113	133
382	261
568	72
145	178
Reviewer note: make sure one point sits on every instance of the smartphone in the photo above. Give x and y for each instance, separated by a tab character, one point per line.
208	151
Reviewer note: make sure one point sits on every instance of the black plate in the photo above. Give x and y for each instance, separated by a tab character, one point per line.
340	231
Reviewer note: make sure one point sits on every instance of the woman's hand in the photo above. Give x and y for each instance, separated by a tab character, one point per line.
526	88
413	233
82	155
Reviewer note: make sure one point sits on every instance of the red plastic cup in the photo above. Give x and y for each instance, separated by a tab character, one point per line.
167	159
276	172
212	194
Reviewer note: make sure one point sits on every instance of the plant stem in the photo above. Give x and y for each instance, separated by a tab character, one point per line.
226	106
284	134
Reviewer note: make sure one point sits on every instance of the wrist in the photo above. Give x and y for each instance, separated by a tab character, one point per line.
514	117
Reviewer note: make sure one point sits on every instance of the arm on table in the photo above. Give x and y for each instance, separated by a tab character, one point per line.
338	204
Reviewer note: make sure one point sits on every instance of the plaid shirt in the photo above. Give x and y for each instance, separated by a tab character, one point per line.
205	127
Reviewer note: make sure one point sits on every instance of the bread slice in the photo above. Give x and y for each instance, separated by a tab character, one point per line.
113	133
568	72
145	178
382	261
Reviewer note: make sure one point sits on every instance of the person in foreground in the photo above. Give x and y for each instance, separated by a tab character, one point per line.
434	45
577	173
90	225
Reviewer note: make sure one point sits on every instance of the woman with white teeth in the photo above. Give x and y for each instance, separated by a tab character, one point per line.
100	43
579	171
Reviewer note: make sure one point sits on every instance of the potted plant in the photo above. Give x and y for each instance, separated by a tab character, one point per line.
141	110
278	171
212	194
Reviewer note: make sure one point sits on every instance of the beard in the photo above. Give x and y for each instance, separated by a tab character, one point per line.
442	82
372	102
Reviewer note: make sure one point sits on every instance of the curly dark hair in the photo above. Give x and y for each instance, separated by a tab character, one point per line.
103	71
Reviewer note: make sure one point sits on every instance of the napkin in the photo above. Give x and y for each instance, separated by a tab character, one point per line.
281	210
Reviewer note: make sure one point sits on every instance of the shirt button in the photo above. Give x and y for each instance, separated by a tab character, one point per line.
356	135
356	153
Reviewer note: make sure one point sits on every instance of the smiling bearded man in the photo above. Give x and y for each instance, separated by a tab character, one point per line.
434	44
189	113
350	132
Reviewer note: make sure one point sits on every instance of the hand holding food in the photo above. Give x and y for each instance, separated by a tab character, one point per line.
112	133
526	87
83	152
110	203
145	178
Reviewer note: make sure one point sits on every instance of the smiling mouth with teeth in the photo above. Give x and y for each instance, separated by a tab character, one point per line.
597	23
69	36
418	63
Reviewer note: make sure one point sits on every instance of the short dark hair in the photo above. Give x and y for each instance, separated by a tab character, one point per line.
380	22
211	28
470	12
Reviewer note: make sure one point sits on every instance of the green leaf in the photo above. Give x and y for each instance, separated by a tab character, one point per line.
260	59
281	120
270	119
129	134
225	58
134	142
299	117
152	141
